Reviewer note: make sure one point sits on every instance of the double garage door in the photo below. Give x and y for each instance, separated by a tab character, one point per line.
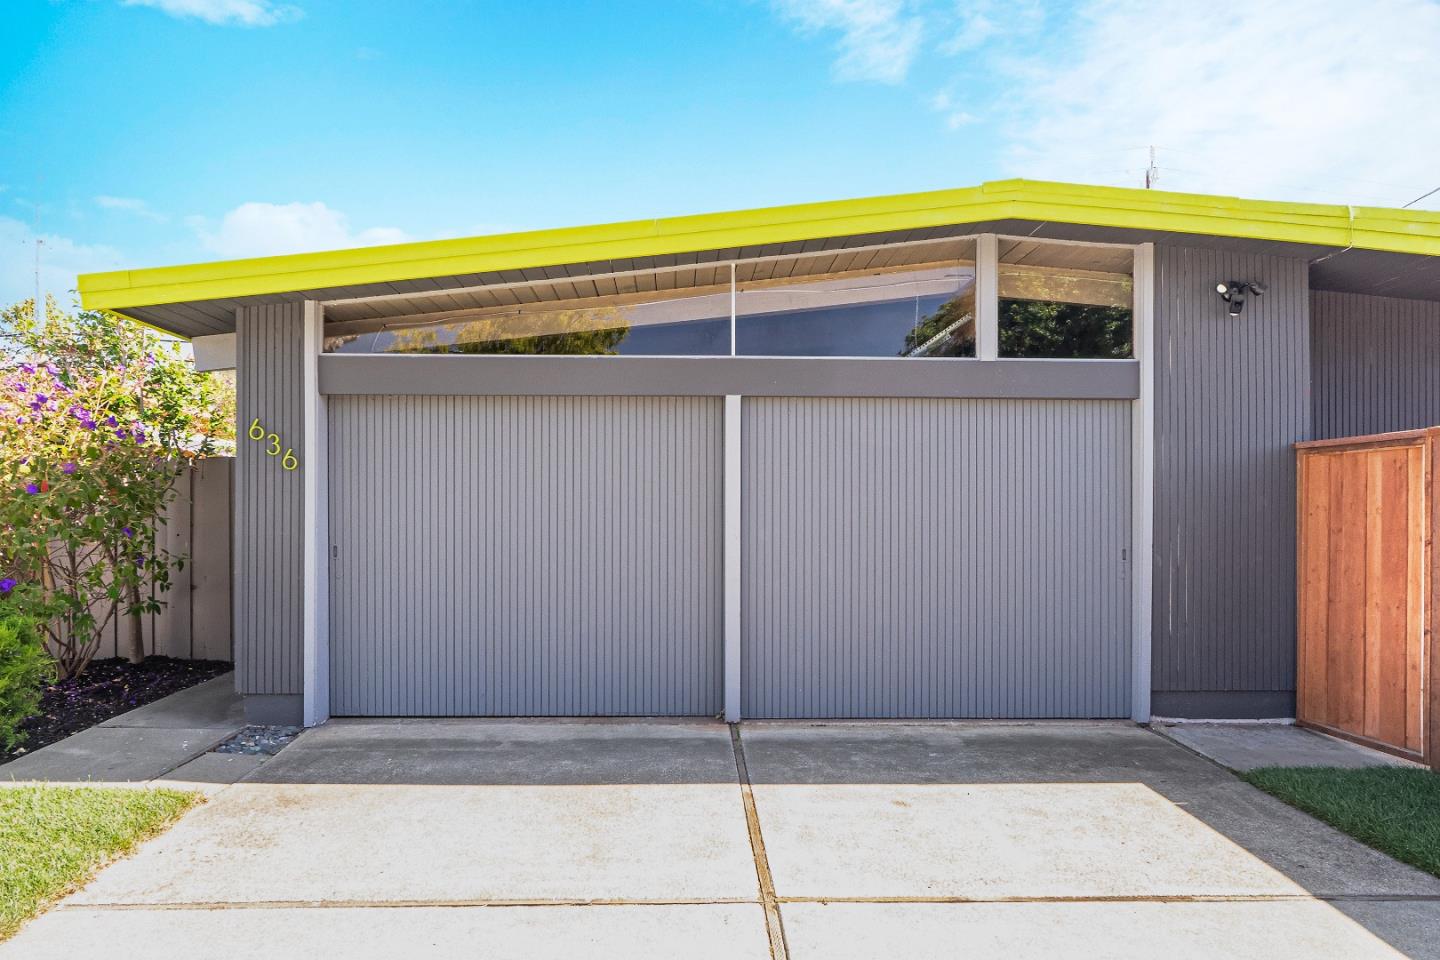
563	556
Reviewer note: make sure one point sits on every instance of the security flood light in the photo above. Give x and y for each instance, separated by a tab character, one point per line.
1233	292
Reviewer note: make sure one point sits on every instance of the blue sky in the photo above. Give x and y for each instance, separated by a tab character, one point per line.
148	132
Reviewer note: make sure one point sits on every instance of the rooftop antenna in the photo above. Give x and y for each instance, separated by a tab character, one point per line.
1152	172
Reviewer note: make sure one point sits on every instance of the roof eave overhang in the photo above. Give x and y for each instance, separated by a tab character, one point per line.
1398	231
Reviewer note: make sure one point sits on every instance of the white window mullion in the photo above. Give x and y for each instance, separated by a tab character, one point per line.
733	351
987	297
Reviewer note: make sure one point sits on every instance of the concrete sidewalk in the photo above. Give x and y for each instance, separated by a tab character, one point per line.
144	744
1249	746
551	839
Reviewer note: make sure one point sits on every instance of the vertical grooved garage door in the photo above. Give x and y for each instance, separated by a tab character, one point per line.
525	556
936	558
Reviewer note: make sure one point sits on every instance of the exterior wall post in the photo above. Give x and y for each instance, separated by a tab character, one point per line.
271	464
316	541
1142	498
732	548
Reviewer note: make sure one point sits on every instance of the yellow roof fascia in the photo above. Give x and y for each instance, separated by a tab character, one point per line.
1370	228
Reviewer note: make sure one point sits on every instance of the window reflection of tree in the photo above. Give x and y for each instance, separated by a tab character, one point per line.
336	343
592	331
1059	313
1048	330
948	332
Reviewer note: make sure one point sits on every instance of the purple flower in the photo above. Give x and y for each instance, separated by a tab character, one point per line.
127	531
20	419
119	434
88	424
19	387
111	421
41	398
50	369
7	585
31	488
28	367
68	468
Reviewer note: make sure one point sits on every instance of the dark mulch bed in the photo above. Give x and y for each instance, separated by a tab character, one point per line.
107	689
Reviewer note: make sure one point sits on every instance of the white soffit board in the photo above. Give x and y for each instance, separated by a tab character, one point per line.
215	352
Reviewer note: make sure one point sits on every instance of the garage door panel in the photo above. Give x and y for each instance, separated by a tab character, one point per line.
935	558
525	556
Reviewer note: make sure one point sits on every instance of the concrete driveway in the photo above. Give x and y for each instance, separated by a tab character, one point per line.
638	840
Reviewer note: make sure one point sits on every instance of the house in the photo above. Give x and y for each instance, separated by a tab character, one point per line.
1020	450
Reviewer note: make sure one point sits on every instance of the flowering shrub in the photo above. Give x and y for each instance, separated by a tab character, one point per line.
97	417
24	668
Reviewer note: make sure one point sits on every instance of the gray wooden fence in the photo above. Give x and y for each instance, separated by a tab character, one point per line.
195	622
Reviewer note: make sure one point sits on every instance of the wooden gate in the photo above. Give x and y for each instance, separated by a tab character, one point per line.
1367	512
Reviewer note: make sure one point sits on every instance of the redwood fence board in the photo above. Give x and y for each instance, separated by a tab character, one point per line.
1366	588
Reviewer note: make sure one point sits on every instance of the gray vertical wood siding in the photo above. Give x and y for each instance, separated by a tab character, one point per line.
269	585
525	556
1375	365
1231	396
936	558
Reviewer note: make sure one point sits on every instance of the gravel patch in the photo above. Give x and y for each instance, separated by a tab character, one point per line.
259	740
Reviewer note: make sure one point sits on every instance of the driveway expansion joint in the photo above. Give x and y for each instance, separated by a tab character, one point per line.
1139	898
732	901
412	904
774	925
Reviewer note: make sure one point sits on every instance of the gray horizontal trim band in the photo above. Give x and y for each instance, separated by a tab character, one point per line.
1223	704
503	376
275	709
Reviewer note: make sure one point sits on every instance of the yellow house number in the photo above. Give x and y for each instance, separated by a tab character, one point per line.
272	445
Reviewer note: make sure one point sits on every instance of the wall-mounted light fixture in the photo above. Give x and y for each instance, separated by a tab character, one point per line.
1233	292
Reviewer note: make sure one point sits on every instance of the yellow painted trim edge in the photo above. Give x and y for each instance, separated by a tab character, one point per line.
1369	228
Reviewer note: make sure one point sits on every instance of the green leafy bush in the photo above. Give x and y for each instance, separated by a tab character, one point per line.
24	668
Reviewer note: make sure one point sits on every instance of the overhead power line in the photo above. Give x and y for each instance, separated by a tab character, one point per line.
1421	197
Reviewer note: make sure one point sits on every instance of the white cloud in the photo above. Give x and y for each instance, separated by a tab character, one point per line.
61	261
245	13
266	229
955	116
1299	99
978	22
129	205
879	39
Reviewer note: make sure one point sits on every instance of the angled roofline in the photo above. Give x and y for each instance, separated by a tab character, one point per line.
1367	228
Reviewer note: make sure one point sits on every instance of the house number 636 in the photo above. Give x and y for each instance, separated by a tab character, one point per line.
272	445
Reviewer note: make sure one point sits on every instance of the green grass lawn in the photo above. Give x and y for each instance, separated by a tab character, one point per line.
52	839
1394	809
